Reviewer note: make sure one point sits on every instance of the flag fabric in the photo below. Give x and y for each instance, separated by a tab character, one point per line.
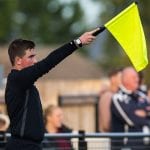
126	27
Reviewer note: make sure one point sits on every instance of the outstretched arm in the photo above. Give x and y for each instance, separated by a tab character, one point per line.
29	75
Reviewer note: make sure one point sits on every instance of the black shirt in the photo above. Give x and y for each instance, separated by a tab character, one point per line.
26	120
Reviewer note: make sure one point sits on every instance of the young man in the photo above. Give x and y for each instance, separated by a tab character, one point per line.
105	100
22	97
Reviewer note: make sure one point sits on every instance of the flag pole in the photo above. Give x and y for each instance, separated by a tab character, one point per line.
136	2
99	30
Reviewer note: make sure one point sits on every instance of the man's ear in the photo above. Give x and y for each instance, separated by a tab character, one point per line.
18	60
113	79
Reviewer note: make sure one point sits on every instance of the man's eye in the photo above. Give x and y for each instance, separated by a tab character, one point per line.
31	56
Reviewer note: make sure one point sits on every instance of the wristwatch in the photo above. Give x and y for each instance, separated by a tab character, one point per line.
78	42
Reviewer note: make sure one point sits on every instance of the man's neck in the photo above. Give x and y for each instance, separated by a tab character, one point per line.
16	67
114	88
126	89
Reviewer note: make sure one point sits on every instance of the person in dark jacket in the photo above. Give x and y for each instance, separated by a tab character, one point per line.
21	95
53	117
130	111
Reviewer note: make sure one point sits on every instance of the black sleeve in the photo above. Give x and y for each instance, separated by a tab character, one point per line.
29	75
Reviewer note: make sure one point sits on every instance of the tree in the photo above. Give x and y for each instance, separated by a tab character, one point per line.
45	21
7	8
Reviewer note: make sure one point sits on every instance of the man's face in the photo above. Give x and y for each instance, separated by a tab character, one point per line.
131	79
116	79
28	59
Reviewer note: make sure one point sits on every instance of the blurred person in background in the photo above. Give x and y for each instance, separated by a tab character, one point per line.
53	117
130	111
142	85
148	92
105	100
21	95
4	125
4	122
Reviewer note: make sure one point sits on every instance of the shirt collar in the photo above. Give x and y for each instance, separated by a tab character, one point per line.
125	90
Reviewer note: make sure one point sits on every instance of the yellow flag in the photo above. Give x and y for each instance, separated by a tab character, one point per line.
126	27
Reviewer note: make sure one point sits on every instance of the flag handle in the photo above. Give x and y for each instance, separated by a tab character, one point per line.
99	30
136	2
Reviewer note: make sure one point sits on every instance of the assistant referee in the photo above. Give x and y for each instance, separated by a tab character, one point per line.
21	95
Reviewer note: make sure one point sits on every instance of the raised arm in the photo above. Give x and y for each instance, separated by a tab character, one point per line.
29	75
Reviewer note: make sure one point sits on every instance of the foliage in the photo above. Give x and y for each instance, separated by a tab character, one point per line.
51	21
45	21
7	8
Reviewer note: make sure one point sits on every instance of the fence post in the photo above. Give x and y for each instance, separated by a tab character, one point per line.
82	145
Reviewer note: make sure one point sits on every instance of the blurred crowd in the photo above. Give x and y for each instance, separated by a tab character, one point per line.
125	107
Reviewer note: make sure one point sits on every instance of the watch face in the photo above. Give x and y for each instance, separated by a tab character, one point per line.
78	41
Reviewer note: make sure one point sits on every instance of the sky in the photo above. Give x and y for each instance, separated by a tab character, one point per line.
91	10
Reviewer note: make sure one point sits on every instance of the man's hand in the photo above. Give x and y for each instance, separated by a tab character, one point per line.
140	113
88	37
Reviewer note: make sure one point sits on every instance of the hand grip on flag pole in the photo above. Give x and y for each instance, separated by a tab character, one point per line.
99	30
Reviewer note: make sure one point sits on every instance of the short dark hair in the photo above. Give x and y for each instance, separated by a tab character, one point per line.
18	48
114	72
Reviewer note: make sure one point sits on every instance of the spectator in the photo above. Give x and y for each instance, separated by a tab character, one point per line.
54	124
4	124
148	92
142	86
105	100
129	108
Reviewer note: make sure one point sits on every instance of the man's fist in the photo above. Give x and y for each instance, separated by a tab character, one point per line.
88	37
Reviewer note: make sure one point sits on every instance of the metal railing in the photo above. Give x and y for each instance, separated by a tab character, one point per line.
91	141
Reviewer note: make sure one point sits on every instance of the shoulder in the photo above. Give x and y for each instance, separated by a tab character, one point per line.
65	129
107	95
12	74
120	95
